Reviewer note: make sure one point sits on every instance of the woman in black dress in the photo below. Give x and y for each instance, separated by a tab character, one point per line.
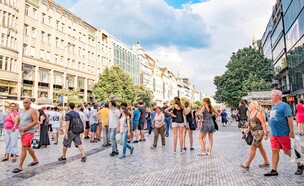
44	135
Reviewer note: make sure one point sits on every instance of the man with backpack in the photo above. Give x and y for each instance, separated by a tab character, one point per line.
73	129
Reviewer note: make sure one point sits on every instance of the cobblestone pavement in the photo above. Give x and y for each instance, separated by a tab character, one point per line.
152	167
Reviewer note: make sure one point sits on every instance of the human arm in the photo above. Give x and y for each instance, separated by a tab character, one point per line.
16	123
216	112
167	110
290	123
262	120
67	126
34	116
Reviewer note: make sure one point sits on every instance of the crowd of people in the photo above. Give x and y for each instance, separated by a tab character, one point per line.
104	122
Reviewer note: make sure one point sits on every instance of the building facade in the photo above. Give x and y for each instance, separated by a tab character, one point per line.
286	28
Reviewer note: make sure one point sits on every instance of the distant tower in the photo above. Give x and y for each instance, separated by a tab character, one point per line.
255	43
138	48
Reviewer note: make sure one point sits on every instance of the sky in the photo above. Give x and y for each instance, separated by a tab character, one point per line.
193	38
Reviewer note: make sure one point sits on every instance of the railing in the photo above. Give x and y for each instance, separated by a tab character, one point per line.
286	89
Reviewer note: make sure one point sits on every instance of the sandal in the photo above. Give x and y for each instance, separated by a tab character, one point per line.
17	170
299	170
264	165
272	173
244	167
14	160
5	159
33	164
61	158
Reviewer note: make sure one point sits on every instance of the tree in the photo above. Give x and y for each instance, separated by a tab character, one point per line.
115	84
143	93
248	70
71	96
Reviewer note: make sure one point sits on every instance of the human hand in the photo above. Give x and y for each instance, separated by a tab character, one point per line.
14	129
22	129
265	137
173	116
66	136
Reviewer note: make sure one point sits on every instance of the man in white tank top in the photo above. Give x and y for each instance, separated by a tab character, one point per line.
56	121
27	120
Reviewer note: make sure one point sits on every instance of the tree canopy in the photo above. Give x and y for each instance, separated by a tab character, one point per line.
248	70
116	84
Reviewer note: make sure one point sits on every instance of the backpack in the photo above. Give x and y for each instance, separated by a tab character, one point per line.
76	125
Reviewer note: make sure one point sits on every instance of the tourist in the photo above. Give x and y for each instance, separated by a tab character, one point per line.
11	133
44	139
2	117
167	118
281	124
242	116
93	123
125	129
87	128
257	126
136	118
224	117
159	127
189	119
207	127
104	115
114	115
27	121
149	121
82	116
177	122
56	121
69	136
142	120
300	116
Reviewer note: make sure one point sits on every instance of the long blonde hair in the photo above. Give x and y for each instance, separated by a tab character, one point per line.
207	100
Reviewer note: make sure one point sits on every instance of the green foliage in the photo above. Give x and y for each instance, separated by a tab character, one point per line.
196	104
248	70
116	84
72	96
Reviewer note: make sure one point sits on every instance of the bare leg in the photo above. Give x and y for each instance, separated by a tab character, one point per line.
251	155
202	141
275	158
181	138
92	136
22	157
81	149
32	153
190	138
64	151
175	138
98	132
263	153
184	136
210	136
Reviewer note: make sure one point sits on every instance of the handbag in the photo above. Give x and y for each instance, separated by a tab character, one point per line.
249	137
215	123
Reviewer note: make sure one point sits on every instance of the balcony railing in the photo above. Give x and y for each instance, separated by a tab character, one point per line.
286	89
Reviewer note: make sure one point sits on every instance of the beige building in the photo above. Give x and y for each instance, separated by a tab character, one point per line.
45	48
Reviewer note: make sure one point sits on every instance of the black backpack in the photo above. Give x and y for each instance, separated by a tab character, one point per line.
76	125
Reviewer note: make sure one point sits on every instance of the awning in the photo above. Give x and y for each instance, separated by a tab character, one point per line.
43	101
20	103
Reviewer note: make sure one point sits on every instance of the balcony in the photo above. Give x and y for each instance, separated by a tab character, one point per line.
286	89
7	75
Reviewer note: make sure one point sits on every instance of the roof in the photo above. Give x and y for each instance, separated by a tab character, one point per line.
147	56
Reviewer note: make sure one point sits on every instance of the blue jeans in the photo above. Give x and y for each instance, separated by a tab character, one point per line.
149	125
113	139
167	122
11	141
125	144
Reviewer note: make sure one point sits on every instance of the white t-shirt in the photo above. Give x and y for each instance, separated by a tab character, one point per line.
55	118
87	113
93	119
113	118
82	116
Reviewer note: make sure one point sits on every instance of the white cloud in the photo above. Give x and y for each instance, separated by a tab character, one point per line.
179	39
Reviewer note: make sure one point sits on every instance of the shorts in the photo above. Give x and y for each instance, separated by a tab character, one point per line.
93	127
135	127
280	142
141	125
26	139
257	137
242	124
56	129
72	137
50	128
87	125
175	125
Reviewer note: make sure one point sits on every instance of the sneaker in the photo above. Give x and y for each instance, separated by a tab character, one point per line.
83	159
122	157
61	158
17	170
129	141
86	137
141	139
185	148
191	148
113	154
131	150
182	152
244	167
299	170
272	173
116	153
167	135
135	141
144	139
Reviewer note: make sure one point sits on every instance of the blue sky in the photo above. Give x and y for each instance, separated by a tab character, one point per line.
193	38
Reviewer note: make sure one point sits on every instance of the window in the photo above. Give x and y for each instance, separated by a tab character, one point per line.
24	50
34	13
4	19
33	32
42	36
26	30
41	54
2	43
56	59
43	18
57	25
57	42
62	27
49	38
27	10
33	52
50	21
48	56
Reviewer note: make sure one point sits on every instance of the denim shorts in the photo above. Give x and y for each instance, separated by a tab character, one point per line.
93	127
